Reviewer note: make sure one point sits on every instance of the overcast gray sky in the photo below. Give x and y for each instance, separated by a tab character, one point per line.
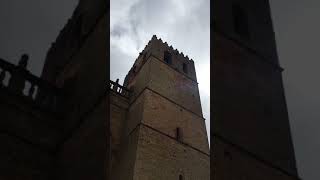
30	26
184	24
297	31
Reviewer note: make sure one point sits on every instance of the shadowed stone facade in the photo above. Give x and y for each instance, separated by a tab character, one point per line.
55	127
157	113
251	131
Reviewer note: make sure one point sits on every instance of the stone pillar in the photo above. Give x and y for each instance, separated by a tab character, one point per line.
17	80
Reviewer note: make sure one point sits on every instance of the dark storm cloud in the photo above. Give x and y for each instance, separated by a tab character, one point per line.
297	33
184	24
30	27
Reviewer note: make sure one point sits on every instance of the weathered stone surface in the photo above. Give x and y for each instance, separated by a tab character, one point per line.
160	157
228	162
163	97
249	107
84	154
192	127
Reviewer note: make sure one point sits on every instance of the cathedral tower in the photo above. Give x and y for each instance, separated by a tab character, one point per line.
252	138
165	135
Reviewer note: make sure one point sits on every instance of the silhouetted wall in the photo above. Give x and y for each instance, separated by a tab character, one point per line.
249	106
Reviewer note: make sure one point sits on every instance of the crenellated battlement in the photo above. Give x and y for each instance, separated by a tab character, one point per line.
170	48
158	49
155	40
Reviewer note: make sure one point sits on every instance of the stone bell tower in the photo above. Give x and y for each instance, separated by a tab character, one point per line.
252	138
165	135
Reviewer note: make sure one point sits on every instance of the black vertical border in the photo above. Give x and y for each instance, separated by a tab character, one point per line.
211	87
108	144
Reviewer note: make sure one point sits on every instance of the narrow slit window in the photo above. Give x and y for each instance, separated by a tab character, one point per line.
180	177
167	57
185	68
178	134
240	19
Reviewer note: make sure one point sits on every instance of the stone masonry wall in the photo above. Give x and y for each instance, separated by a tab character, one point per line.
231	163
162	158
84	154
157	75
261	34
174	86
71	37
124	167
20	159
164	98
118	117
28	137
192	127
87	74
85	134
249	104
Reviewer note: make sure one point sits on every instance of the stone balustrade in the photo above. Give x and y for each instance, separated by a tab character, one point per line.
116	87
19	81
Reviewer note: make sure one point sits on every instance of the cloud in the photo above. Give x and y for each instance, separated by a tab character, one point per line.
184	24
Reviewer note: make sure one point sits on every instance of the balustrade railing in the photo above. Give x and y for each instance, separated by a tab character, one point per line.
15	78
18	80
116	87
